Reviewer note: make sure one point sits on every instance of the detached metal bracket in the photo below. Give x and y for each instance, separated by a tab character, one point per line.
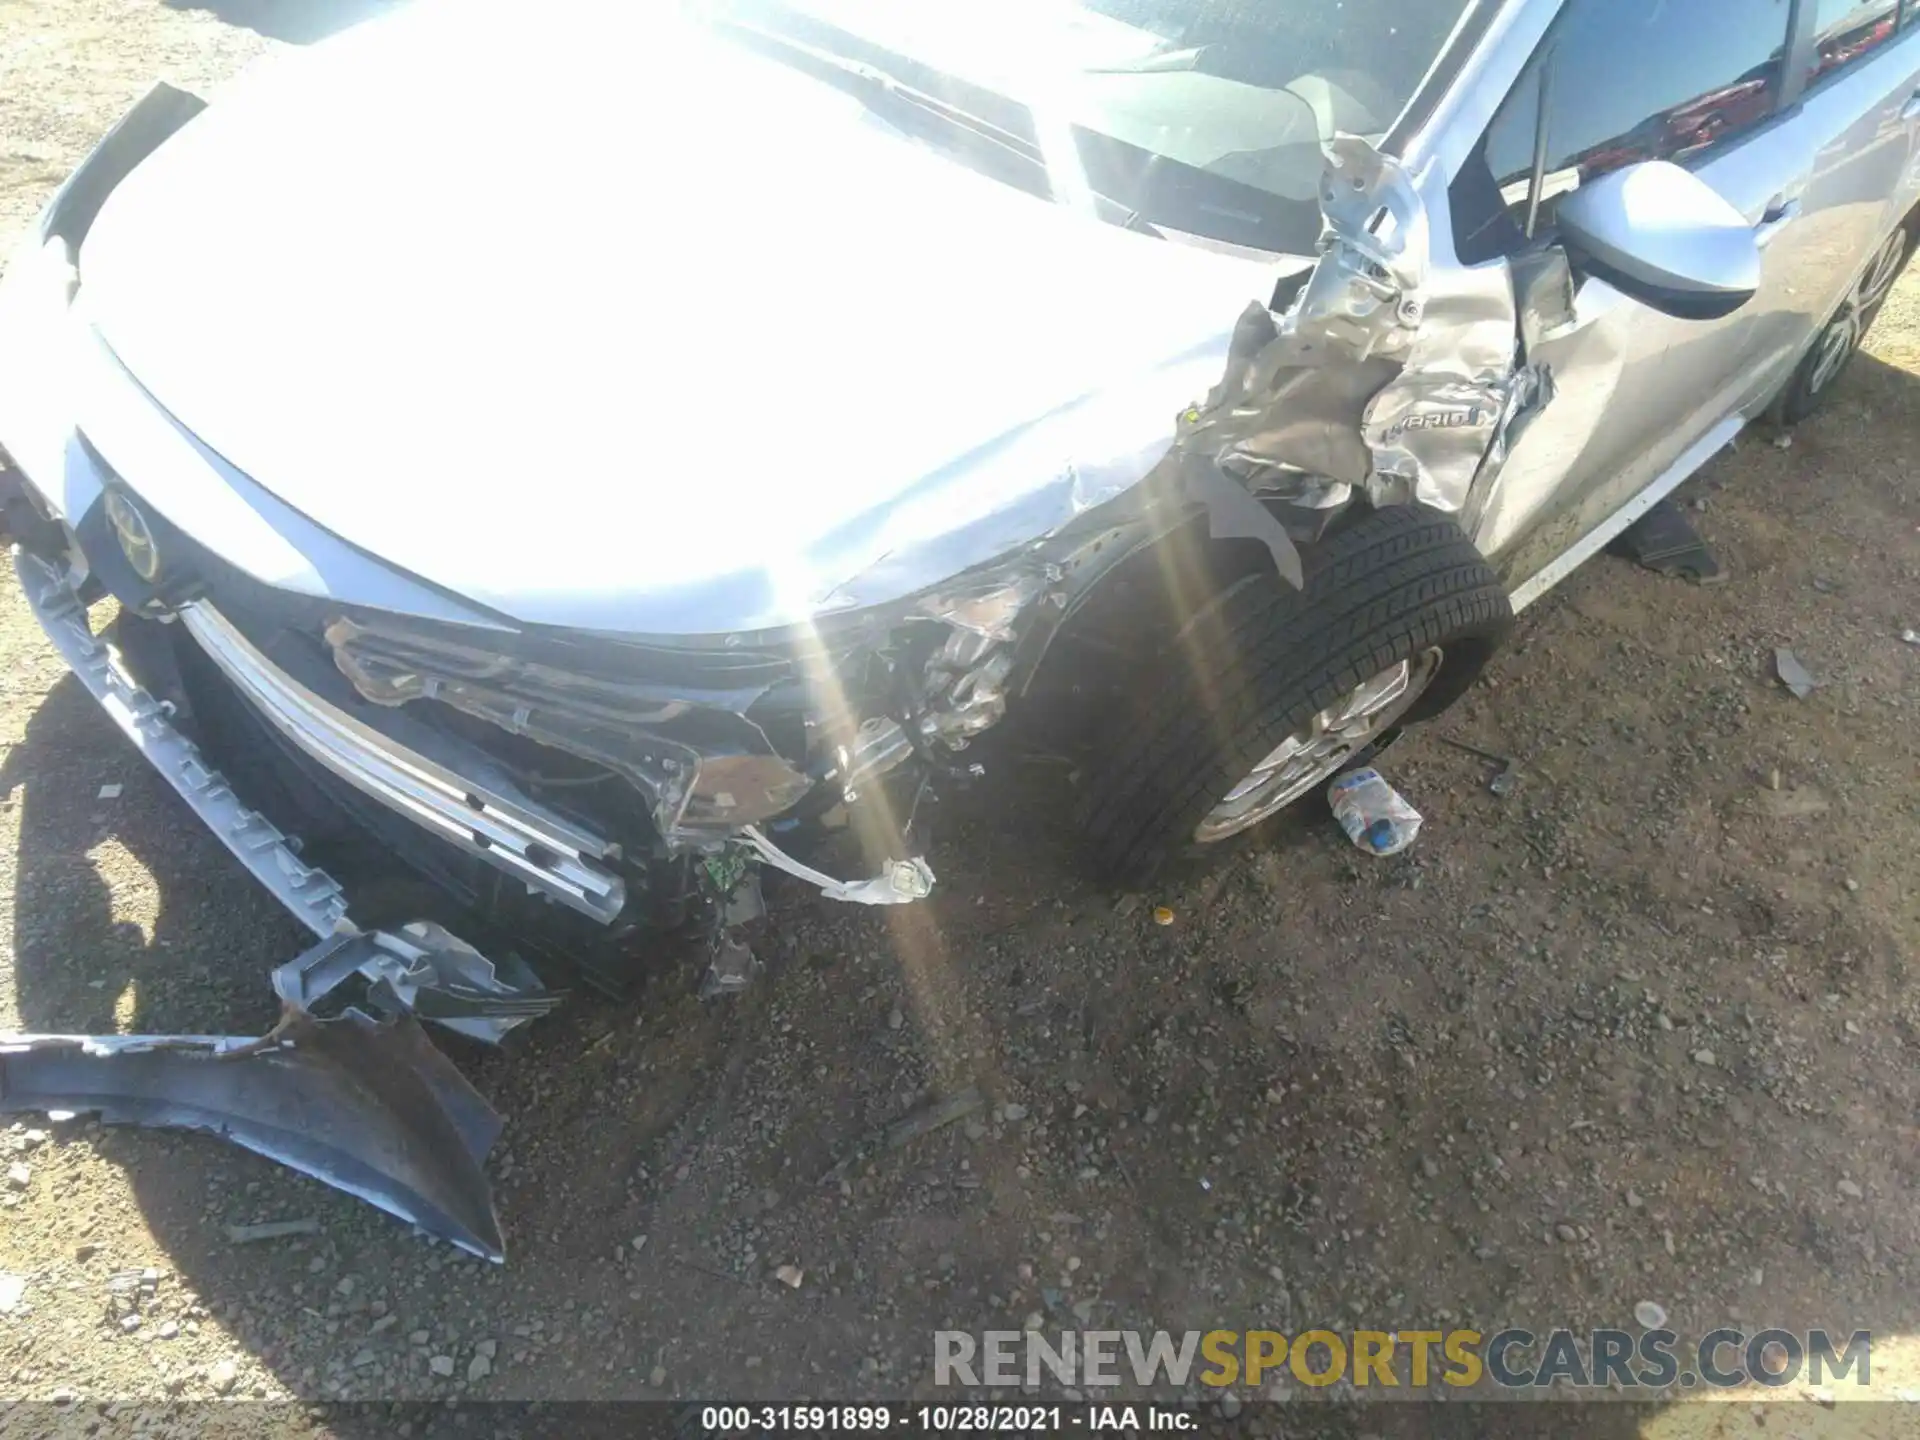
901	882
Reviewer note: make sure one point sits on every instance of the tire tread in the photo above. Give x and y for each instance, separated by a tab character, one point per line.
1267	658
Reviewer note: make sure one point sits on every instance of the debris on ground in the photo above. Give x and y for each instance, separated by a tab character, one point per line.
368	1105
271	1230
932	1117
1798	803
1792	674
1375	816
1162	915
1665	542
1651	1316
13	1289
731	967
1910	637
790	1276
1505	779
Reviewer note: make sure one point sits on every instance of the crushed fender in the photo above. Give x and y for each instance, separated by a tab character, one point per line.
367	1105
1376	379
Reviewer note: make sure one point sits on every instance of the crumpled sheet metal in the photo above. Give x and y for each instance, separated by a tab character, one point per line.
1375	377
1432	426
366	1106
1530	391
987	503
1233	514
1289	398
1298	394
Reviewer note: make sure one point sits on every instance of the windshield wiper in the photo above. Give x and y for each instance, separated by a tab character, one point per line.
879	89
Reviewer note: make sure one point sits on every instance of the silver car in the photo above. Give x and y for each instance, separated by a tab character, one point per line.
605	453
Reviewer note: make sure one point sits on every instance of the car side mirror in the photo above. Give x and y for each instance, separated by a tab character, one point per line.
1665	237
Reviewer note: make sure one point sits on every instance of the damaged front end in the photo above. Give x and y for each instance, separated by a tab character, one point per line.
627	786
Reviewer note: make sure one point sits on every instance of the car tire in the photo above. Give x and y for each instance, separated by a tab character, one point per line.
1402	590
1840	339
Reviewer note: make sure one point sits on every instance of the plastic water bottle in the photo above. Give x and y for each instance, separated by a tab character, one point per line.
1375	815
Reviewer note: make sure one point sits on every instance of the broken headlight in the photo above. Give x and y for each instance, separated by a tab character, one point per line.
704	766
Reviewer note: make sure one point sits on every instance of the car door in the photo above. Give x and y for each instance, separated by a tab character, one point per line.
1860	114
1643	397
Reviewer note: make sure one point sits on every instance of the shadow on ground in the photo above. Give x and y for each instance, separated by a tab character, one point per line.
298	22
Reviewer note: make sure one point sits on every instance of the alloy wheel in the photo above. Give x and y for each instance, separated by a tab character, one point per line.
1849	325
1321	748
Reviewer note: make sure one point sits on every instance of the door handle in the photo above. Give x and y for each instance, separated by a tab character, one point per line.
1780	214
1911	110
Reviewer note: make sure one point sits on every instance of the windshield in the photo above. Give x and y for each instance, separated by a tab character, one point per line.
1204	116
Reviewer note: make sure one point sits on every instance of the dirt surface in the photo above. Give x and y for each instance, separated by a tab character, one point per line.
1643	1030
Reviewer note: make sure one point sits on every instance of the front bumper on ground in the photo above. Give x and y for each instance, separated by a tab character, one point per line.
368	1106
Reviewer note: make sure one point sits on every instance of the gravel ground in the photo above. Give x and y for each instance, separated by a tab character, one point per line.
1640	1031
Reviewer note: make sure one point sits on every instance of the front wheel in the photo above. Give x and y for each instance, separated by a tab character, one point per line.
1272	691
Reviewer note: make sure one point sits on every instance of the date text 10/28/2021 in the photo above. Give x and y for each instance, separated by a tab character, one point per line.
958	1419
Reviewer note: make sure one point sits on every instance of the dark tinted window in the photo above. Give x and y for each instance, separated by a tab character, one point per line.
1643	80
1844	30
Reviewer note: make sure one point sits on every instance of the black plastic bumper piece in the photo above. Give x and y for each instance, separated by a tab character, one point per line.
136	135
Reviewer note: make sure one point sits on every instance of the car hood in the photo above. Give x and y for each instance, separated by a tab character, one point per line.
695	347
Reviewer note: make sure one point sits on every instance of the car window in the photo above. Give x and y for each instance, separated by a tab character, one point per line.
1844	30
1640	80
